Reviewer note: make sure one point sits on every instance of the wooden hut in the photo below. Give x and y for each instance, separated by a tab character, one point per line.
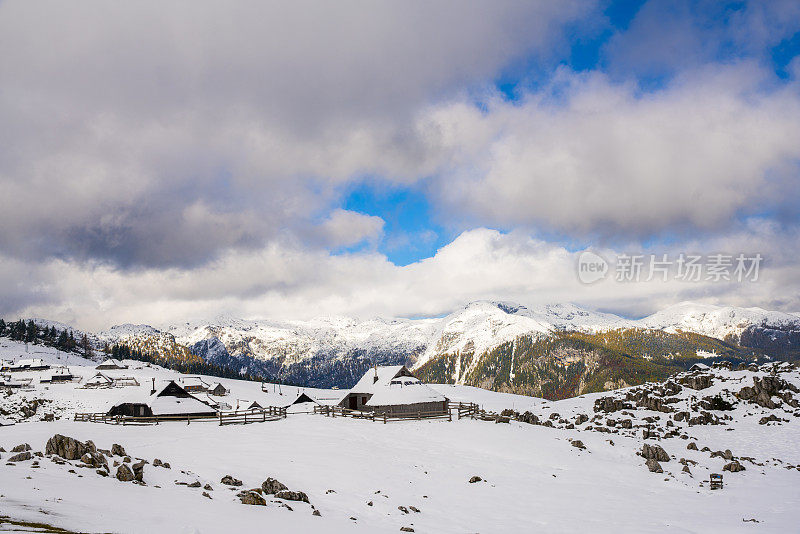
110	364
170	401
393	390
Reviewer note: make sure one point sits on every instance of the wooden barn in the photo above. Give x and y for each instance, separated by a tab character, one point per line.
393	390
99	381
217	389
170	401
109	364
194	383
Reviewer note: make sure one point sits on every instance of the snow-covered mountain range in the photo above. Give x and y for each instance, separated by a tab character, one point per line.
492	344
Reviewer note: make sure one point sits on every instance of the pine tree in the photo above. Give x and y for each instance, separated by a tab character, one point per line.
2	327
86	346
31	332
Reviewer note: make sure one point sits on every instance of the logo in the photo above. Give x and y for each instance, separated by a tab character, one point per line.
591	267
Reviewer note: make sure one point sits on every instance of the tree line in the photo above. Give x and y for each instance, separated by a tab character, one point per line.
30	332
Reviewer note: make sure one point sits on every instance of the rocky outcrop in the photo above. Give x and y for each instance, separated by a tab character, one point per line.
66	447
765	388
696	381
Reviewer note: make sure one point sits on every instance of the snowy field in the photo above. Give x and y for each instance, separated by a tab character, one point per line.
358	474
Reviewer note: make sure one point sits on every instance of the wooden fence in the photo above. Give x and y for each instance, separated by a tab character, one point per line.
234	417
461	410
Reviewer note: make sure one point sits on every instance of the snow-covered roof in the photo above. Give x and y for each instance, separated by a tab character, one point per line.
178	405
404	391
377	377
111	362
193	381
99	378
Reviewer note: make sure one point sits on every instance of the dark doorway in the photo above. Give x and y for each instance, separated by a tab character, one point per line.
353	402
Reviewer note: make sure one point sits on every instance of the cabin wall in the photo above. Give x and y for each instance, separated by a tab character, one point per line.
438	406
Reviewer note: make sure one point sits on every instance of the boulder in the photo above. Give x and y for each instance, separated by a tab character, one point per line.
66	447
252	498
118	450
124	473
21	448
654	466
654	452
272	486
138	470
21	457
230	481
733	467
475	479
292	496
579	444
692	446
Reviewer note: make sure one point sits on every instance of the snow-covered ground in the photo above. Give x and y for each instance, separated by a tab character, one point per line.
533	478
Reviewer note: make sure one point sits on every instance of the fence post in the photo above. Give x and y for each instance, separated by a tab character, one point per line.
449	415
384	418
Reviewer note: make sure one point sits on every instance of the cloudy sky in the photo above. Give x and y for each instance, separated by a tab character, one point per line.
162	161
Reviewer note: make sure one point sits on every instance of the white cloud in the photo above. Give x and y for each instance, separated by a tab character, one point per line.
586	156
286	281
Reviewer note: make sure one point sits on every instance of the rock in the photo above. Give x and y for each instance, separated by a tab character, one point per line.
403	509
195	484
692	446
125	474
316	512
65	447
21	448
654	452
610	404
205	494
770	418
292	496
696	381
208	487
686	469
252	498
230	481
370	503
94	459
581	418
475	479
579	444
156	462
733	467
127	459
654	466
406	529
21	457
118	450
138	470
272	486
165	465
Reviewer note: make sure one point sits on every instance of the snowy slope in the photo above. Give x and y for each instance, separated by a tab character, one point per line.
533	477
717	321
